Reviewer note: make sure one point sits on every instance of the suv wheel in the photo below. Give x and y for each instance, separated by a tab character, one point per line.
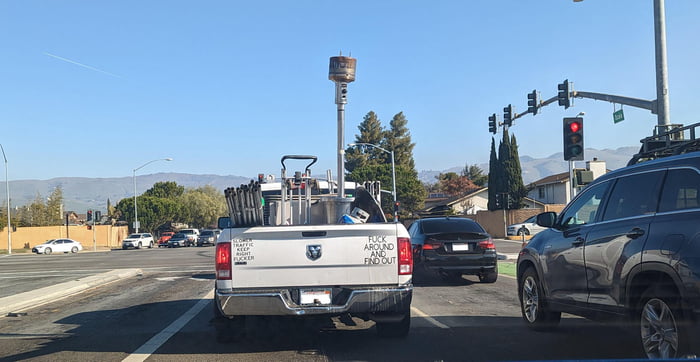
660	324
533	305
150	245
138	246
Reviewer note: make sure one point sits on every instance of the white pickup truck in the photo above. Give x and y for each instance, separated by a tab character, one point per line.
281	257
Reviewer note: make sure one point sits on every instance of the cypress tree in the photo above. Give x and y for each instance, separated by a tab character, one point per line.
371	131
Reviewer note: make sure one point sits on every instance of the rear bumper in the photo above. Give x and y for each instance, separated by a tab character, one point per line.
464	263
345	300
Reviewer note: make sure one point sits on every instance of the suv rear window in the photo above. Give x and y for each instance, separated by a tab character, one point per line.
451	226
207	233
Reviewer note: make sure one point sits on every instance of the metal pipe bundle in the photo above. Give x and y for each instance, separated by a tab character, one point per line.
245	204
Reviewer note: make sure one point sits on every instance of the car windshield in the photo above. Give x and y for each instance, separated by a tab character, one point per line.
207	233
134	236
450	226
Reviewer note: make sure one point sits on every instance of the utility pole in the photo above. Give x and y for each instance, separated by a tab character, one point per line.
662	99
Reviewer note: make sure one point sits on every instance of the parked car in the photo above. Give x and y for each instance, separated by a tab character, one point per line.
527	227
192	235
58	246
453	247
179	239
138	241
626	248
164	237
207	237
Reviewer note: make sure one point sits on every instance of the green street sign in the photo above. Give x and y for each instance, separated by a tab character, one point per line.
618	116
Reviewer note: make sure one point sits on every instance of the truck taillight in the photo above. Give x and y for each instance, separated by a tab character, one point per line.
223	261
405	256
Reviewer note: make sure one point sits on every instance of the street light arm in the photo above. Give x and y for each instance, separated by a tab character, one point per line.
136	210
150	162
368	144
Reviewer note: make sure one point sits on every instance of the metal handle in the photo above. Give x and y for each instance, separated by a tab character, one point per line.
578	242
635	233
299	157
313	234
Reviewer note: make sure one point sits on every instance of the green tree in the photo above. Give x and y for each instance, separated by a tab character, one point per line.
167	190
475	174
372	132
375	164
398	139
153	211
495	178
201	207
517	187
3	219
54	207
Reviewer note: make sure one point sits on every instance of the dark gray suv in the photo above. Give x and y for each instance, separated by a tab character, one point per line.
628	248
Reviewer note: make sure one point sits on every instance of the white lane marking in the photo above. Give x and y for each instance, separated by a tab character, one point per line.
428	318
145	351
168	279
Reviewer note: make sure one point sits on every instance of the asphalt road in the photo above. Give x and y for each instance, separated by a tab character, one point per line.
165	315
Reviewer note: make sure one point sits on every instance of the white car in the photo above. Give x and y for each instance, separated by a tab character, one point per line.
527	227
58	246
137	241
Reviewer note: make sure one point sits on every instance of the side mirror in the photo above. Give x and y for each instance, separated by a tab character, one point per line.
547	219
224	222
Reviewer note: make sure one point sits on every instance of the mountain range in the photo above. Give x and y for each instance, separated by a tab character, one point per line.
81	193
534	169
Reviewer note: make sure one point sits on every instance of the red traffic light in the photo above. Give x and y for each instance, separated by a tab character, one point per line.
574	126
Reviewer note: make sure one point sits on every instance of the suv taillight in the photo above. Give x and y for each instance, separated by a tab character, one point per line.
488	244
405	256
223	261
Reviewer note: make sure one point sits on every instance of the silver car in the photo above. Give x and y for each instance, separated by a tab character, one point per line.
527	227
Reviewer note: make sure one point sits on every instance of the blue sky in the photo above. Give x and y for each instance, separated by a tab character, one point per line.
98	88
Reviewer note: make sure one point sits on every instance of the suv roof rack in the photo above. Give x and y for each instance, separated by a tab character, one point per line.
679	139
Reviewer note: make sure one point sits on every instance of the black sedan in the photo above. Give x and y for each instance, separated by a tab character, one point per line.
453	247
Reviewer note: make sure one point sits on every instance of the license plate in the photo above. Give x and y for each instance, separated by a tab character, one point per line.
315	296
460	247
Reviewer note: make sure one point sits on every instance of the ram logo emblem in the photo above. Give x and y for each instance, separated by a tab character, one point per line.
313	252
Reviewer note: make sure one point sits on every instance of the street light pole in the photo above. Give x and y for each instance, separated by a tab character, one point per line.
7	190
393	172
136	210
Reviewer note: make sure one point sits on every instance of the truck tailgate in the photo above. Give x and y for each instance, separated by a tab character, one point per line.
303	255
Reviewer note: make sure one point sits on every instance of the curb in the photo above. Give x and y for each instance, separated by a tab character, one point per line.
35	298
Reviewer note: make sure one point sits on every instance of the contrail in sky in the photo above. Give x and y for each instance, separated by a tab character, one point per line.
82	65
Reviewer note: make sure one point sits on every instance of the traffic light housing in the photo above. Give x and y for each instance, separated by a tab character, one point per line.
508	115
573	139
89	215
98	215
533	102
492	123
564	94
499	201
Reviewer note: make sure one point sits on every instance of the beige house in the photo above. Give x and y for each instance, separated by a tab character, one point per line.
556	189
467	204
